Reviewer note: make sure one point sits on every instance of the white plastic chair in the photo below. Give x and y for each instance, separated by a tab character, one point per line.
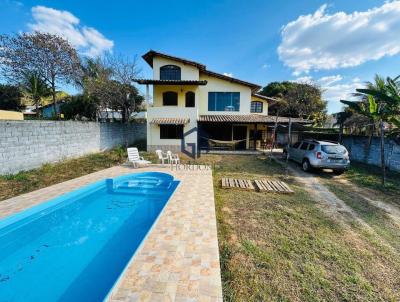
135	158
173	158
162	156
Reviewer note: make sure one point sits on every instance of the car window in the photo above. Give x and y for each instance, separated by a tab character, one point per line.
304	146
333	149
311	147
296	145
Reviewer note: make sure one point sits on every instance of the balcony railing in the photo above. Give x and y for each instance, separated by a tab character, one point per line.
165	111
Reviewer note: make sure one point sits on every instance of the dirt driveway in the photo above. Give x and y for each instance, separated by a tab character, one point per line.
341	199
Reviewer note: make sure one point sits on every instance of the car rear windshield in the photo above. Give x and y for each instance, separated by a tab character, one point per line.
333	149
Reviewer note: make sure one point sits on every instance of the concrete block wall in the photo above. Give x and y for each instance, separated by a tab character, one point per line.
26	145
359	151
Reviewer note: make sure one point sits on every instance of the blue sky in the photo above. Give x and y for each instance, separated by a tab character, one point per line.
337	44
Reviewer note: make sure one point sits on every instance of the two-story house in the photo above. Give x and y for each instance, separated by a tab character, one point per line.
194	108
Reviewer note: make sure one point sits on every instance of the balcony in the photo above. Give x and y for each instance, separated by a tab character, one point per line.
172	112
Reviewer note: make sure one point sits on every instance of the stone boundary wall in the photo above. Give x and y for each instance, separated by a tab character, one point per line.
26	145
359	151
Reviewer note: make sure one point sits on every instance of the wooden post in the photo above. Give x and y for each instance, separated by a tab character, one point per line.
383	163
289	138
255	136
273	136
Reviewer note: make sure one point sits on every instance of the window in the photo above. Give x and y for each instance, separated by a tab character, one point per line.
190	99
311	147
332	149
296	145
304	146
256	107
223	101
170	98
170	72
171	131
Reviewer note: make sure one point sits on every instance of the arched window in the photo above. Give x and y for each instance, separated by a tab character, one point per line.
256	107
190	99
170	98
170	72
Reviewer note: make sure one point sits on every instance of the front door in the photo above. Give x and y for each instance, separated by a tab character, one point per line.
240	133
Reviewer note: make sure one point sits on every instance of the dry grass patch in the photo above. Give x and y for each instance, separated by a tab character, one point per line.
283	248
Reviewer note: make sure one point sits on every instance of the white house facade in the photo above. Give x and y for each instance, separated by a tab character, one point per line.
196	109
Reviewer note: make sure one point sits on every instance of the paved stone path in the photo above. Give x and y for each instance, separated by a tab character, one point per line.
179	260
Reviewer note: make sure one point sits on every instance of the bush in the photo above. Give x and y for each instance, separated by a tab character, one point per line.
79	107
10	98
140	144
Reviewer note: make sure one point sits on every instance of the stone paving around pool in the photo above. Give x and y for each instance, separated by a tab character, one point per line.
179	260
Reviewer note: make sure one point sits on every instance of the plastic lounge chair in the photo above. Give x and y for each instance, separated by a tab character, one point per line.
162	156
135	159
173	158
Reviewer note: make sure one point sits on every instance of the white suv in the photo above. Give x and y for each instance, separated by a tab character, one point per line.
320	155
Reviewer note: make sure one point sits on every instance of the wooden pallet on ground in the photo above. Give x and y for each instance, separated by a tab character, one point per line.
245	184
265	185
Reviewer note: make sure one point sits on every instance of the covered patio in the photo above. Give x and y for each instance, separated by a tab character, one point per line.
239	132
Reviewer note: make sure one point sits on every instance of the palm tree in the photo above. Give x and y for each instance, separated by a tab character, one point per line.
383	105
341	118
36	88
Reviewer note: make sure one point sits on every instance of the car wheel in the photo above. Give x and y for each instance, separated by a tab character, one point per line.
338	172
306	165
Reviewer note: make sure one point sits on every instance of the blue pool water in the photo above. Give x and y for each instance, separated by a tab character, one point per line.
74	247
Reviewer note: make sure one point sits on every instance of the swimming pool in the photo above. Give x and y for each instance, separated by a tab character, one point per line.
75	247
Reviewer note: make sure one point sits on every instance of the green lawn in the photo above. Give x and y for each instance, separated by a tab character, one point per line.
370	177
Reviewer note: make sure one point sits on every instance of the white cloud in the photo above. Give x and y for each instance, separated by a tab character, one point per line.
265	66
329	80
11	3
335	92
87	40
228	74
323	41
334	88
305	79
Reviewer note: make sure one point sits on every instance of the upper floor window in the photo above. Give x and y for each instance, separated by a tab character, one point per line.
190	99
170	98
170	72
256	107
223	101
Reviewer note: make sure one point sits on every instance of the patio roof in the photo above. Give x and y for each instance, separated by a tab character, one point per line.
169	82
248	118
267	98
170	121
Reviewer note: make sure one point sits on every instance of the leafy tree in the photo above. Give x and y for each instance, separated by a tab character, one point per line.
383	106
92	69
277	89
306	98
50	56
36	88
296	100
110	84
79	107
10	97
